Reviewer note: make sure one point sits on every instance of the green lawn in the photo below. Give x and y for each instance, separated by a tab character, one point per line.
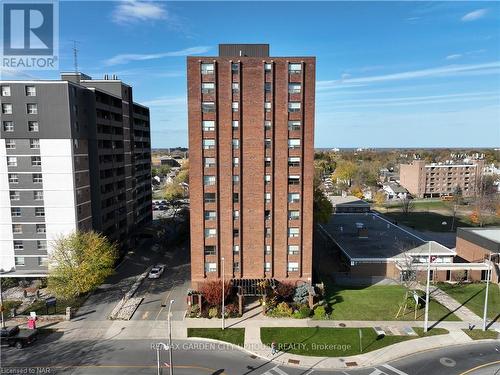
426	221
478	334
232	335
430	332
472	295
377	302
329	342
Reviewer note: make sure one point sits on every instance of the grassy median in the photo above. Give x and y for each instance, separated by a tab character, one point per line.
234	336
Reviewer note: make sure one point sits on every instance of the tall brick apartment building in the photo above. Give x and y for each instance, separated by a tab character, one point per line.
251	133
425	180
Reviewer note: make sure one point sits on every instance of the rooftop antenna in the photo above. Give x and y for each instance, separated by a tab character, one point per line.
75	55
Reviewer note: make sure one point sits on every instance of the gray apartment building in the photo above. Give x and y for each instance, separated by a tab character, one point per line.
75	154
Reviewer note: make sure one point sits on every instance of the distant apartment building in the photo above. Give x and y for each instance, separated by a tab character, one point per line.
425	180
74	155
251	131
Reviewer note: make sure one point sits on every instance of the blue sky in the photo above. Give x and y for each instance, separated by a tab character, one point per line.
389	74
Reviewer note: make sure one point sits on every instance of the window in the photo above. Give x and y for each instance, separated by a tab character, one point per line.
267	250
8	126
293	232
236	214
11	161
293	266
267	125
236	233
209	197
293	125
267	179
294	143
7	108
210	215
5	90
236	179
207	68
294	68
236	198
209	162
18	245
294	88
208	87
236	162
19	261
236	143
236	267
268	232
208	180
267	215
268	87
30	91
40	228
236	124
267	162
42	261
293	180
36	161
208	107
210	232
208	144
236	249
268	67
267	197
208	126
267	106
294	107
267	267
39	211
14	195
32	108
17	228
210	267
15	211
235	106
209	250
37	178
10	144
32	126
293	215
235	67
235	86
294	162
13	178
293	249
268	143
34	143
41	245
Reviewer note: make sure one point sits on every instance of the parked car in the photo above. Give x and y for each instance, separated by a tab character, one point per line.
156	271
162	208
19	338
155	207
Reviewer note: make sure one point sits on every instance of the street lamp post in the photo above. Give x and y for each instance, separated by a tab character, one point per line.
426	319
223	280
158	347
1	304
488	277
170	337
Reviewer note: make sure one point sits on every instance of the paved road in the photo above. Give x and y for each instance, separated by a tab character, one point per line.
196	357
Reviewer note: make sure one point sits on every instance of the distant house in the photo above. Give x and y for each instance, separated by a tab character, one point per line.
394	191
171	162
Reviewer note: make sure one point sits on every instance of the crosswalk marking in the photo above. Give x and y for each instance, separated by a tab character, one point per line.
395	370
274	371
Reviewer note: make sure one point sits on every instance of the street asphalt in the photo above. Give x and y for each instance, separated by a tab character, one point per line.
58	356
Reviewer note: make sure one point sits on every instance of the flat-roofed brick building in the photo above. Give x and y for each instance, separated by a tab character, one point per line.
251	134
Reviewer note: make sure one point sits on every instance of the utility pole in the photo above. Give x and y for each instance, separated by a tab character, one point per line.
223	279
170	337
488	277
426	319
1	304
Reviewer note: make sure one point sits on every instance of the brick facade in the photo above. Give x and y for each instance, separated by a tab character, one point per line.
252	76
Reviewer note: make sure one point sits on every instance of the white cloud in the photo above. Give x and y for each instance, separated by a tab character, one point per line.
449	70
128	57
167	101
15	73
475	15
132	11
454	56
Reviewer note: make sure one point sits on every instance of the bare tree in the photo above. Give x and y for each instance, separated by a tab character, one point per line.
408	278
407	205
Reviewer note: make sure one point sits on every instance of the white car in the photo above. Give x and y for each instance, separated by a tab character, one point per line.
156	271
